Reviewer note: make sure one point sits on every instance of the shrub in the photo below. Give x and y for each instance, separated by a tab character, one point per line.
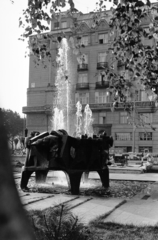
59	224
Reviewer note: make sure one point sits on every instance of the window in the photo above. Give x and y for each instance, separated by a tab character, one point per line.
64	25
154	11
32	85
142	148
145	118
83	98
75	21
102	76
85	40
144	96
102	97
145	39
147	136
102	57
83	59
133	97
103	38
56	25
137	96
123	118
83	78
102	118
123	136
124	73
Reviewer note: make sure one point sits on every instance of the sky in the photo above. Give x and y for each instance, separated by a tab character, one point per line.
13	64
14	67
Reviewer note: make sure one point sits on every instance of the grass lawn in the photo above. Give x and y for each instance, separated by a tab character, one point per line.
113	231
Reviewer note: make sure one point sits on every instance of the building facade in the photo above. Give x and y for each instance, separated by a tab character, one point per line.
89	86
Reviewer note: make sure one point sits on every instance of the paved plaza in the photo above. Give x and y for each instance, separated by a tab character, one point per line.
140	210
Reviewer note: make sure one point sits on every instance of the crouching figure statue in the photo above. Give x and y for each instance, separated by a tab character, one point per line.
58	151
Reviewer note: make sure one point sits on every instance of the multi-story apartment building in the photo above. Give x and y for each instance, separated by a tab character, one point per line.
90	86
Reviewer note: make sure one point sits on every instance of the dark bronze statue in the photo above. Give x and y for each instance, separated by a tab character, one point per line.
58	151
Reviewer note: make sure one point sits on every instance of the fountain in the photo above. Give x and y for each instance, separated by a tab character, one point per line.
58	119
88	120
61	114
57	150
63	85
78	119
84	122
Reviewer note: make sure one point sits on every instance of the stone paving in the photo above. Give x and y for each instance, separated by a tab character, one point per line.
137	212
140	210
137	177
86	208
47	201
95	208
114	176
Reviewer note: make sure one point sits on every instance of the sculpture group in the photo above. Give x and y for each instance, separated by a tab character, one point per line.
58	151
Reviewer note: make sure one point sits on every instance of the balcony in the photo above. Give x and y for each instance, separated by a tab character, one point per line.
144	107
82	86
82	67
101	106
38	109
102	84
102	65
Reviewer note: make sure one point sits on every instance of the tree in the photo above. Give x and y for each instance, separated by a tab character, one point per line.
36	20
14	223
139	58
13	123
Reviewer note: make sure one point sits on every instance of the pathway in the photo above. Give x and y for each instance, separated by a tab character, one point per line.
140	210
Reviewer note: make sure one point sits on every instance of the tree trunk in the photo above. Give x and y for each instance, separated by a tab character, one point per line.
14	224
12	140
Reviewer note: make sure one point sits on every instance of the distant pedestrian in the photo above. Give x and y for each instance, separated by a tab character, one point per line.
148	158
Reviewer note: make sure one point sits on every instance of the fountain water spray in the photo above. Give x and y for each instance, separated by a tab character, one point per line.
63	88
58	119
79	119
88	120
85	123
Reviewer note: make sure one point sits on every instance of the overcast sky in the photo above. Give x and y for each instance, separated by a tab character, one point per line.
14	67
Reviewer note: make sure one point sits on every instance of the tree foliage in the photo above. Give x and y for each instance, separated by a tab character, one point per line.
36	20
13	123
138	57
14	223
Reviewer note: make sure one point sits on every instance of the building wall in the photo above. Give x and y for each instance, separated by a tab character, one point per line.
38	74
41	91
37	122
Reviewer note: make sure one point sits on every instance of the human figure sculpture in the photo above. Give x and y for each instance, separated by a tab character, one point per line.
74	156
